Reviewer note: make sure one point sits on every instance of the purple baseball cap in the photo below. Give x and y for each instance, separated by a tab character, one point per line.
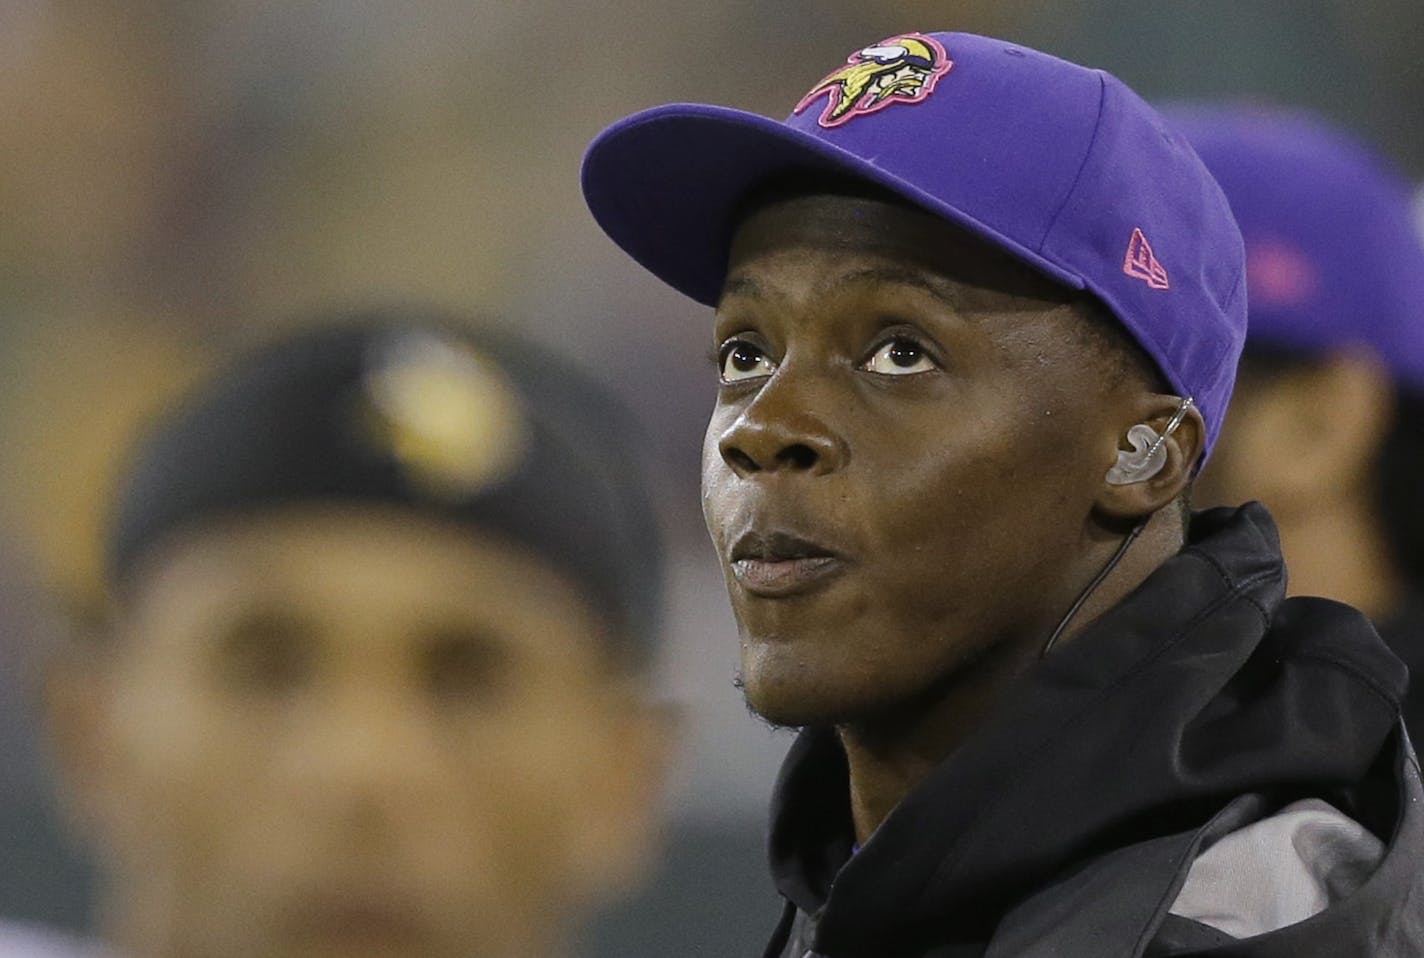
1063	167
1333	257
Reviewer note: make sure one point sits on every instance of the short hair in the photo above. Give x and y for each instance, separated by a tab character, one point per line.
1107	339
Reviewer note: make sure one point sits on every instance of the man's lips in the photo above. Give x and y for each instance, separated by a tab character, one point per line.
777	564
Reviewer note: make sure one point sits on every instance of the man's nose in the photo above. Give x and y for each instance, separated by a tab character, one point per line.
784	429
366	747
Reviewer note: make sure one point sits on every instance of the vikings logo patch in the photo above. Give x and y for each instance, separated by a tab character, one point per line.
901	69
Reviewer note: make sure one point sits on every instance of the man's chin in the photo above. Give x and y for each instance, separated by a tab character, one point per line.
792	691
799	701
780	715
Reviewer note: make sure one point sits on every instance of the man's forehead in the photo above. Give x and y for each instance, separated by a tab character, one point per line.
824	215
760	280
337	561
291	549
873	237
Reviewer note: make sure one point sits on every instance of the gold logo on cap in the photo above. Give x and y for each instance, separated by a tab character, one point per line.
446	413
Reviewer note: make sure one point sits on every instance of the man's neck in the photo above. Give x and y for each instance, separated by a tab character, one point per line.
892	754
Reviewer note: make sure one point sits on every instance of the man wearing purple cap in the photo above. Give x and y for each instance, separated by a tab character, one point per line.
1328	423
978	313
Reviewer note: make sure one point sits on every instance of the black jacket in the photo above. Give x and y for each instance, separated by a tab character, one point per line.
1065	826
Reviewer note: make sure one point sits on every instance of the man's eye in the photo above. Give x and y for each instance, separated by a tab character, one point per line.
899	357
267	652
462	665
739	360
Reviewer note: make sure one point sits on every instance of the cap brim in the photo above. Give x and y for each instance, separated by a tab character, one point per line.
664	185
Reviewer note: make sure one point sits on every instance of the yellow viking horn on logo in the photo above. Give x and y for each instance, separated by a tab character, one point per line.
902	68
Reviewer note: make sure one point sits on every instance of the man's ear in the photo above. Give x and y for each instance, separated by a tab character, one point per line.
1184	446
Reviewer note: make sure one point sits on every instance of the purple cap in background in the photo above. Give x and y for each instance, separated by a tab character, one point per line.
1333	257
1061	166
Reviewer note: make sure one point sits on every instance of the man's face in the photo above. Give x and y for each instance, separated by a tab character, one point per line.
360	733
903	456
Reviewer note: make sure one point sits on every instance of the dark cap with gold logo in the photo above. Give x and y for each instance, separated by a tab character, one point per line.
396	408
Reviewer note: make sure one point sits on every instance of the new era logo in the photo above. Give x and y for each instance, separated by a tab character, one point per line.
1141	264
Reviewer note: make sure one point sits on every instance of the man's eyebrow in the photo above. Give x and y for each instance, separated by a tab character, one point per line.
741	285
942	291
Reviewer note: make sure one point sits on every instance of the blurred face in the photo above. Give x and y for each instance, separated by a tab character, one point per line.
358	733
1302	435
1262	441
900	466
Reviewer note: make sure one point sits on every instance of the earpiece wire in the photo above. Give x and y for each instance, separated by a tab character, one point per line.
1131	537
1172	425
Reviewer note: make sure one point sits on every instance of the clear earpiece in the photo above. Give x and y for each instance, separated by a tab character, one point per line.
1148	454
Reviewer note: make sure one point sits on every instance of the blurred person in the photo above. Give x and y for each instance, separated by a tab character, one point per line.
77	386
1327	427
384	595
978	313
43	883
